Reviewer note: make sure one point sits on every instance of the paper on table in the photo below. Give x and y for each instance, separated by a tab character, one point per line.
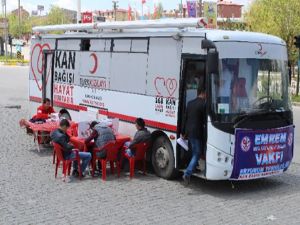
183	143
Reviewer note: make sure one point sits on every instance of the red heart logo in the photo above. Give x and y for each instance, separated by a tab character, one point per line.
171	86
158	83
37	69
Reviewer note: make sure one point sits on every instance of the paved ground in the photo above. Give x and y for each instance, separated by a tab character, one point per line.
29	194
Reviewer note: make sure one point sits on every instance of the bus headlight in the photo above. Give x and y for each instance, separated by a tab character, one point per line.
225	173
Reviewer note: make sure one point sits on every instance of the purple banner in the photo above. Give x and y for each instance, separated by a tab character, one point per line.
262	153
191	8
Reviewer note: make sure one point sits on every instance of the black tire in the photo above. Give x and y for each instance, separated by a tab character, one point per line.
163	160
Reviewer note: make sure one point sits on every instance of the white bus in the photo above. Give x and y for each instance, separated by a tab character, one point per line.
151	69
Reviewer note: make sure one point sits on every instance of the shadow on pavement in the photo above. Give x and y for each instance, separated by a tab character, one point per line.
44	151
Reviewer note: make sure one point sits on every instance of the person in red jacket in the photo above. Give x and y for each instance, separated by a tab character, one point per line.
43	112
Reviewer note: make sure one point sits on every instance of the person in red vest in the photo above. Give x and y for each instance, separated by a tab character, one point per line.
43	112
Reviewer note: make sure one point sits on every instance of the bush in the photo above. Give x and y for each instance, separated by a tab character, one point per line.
296	98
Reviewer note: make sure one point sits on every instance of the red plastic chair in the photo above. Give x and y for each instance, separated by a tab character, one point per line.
73	130
112	156
140	155
54	155
67	163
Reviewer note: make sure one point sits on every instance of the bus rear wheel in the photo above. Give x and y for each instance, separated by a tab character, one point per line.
163	160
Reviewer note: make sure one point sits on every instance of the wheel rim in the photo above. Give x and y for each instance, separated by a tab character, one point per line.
162	157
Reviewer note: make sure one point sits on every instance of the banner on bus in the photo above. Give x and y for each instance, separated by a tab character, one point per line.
262	153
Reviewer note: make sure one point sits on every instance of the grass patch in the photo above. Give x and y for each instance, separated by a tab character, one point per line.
12	60
3	58
296	98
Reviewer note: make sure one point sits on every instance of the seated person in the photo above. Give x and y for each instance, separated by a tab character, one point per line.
43	112
142	135
61	137
102	134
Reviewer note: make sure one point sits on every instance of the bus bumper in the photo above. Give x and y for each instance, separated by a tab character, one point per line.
219	164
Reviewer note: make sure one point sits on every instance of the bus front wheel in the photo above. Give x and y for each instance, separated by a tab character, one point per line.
163	160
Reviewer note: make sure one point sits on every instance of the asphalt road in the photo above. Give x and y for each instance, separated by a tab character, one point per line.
29	193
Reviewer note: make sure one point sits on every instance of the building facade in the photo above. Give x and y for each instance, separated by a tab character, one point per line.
23	13
118	15
227	9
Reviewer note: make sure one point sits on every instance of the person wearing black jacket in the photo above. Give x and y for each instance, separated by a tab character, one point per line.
142	135
61	137
194	130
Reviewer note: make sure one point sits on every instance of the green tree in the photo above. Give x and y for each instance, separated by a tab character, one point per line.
57	16
14	29
231	25
276	17
159	11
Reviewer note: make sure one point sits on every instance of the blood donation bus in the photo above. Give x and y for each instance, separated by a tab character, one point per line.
151	69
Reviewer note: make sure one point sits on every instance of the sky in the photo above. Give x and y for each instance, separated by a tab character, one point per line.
90	5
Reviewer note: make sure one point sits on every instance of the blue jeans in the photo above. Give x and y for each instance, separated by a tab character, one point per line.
128	151
84	156
196	151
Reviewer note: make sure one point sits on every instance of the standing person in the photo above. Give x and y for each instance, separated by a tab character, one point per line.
102	134
142	135
194	130
61	137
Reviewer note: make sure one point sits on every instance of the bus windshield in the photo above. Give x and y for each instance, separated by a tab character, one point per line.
246	86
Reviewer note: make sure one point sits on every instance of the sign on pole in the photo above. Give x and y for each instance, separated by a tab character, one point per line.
192	8
34	13
87	17
40	8
3	3
3	23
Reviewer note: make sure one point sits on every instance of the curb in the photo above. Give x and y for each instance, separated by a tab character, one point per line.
296	103
14	63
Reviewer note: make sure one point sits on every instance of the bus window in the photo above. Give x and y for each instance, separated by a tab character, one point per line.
195	77
85	45
248	86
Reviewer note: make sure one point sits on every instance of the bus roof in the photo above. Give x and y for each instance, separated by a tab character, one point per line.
186	27
214	35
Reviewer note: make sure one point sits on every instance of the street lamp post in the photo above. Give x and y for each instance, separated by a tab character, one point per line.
200	8
115	6
78	11
5	26
19	15
181	9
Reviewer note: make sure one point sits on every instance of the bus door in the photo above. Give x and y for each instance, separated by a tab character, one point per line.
193	76
47	77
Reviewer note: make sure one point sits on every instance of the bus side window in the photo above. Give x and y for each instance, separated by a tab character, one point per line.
85	45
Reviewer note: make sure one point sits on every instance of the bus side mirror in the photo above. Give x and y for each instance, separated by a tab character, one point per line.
207	44
213	62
